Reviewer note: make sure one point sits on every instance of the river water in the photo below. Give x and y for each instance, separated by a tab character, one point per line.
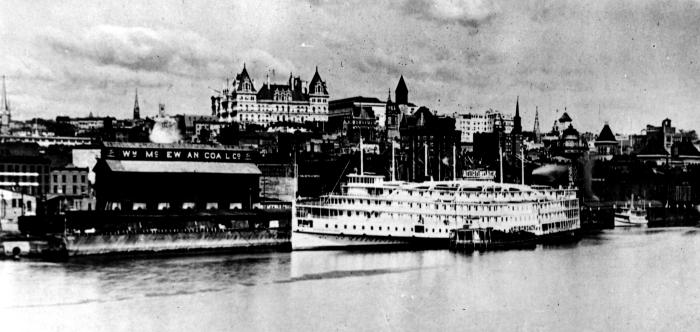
621	280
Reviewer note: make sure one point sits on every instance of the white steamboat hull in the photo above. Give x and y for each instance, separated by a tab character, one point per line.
315	241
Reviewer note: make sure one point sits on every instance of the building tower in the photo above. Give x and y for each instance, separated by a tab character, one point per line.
536	128
517	126
137	113
401	92
5	115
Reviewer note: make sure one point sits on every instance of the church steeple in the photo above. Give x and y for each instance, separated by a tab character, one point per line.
137	110
5	116
517	124
536	127
401	92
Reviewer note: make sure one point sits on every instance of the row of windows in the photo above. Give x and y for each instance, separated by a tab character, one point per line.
64	179
17	203
282	109
83	190
388	228
21	168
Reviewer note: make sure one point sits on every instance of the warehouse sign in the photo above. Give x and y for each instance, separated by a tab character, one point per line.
174	154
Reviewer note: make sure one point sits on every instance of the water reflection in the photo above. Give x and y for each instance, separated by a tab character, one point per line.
614	280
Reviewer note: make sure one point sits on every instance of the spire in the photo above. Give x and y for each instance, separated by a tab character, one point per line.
401	93
137	111
388	99
517	124
536	128
4	111
5	106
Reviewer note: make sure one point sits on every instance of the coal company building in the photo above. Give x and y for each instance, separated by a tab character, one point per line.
151	177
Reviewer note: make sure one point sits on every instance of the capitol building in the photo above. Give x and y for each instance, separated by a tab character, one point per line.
273	103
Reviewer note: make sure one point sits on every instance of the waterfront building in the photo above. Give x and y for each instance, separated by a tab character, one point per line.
69	180
149	176
14	204
292	101
69	190
24	169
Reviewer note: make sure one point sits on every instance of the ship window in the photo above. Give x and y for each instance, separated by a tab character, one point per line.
380	228
345	226
363	227
371	228
354	227
336	225
326	225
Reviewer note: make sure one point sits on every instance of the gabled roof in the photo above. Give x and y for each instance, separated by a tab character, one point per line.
686	149
653	148
363	112
243	77
565	118
606	135
317	79
267	92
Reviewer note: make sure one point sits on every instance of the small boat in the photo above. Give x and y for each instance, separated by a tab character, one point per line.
631	216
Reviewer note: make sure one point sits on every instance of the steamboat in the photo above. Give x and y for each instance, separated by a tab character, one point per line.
370	211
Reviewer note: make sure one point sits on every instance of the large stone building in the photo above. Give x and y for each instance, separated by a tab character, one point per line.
426	134
292	101
357	116
471	123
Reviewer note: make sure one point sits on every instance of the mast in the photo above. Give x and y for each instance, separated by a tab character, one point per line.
425	160
522	165
362	158
454	162
4	95
500	159
393	161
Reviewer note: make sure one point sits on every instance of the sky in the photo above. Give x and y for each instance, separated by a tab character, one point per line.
626	63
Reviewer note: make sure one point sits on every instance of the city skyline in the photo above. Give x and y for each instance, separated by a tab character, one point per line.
626	63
